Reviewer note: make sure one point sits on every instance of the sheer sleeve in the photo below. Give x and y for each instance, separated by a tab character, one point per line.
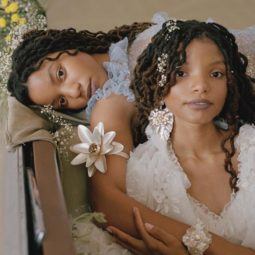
246	42
144	38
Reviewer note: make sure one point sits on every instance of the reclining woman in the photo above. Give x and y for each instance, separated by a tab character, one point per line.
110	188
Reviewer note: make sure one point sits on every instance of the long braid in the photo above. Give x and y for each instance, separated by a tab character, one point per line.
37	44
240	101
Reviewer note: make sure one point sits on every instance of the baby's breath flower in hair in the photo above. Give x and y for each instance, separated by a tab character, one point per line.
171	26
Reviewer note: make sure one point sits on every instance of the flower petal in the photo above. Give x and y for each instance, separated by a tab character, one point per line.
90	160
98	133
106	148
91	170
79	159
117	147
84	134
101	165
108	137
80	148
100	127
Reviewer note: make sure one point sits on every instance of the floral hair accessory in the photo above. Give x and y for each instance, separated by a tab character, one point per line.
161	68
171	25
93	148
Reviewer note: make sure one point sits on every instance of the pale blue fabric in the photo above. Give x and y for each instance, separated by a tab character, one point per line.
118	74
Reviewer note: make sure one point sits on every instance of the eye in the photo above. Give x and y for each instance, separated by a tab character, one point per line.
62	102
217	74
180	73
60	73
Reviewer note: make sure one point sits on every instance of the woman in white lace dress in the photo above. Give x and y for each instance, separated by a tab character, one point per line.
198	164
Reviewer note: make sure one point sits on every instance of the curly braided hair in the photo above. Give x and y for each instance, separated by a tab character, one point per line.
37	44
240	101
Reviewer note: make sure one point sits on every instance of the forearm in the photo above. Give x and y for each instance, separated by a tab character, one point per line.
118	207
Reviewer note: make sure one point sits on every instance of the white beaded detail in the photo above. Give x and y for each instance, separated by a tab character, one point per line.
161	68
197	239
171	26
161	122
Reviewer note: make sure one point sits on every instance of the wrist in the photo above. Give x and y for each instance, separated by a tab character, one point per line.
197	239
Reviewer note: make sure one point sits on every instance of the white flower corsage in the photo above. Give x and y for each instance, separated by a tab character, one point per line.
93	148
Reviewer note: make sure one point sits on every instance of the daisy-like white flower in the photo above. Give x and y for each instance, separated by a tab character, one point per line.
93	148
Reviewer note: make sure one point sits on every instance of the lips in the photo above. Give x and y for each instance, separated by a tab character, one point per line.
89	90
94	87
199	104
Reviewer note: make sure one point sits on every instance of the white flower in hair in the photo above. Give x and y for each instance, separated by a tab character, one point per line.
93	148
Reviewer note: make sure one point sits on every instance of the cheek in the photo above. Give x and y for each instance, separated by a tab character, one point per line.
221	97
77	104
174	99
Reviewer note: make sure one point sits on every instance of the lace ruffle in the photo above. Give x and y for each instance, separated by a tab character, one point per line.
119	76
90	239
156	179
246	39
144	38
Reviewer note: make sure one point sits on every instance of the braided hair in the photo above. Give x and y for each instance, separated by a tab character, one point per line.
240	100
37	44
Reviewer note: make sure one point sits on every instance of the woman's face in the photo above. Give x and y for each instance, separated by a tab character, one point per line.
201	84
68	82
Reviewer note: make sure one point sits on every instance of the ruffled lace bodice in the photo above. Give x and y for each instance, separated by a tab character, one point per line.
121	62
246	40
118	74
156	179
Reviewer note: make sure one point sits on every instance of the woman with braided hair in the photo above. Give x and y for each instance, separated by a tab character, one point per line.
36	64
196	158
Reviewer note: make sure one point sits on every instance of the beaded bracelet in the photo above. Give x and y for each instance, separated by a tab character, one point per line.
197	239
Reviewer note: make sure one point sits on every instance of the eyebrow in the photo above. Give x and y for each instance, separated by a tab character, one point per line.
217	62
50	73
51	79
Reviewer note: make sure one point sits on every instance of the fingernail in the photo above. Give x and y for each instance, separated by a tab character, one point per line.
134	209
109	230
148	226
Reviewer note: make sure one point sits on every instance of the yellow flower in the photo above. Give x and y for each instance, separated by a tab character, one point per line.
22	21
13	7
4	3
2	22
8	38
15	17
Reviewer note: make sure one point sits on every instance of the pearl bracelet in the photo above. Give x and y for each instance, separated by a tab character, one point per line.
197	239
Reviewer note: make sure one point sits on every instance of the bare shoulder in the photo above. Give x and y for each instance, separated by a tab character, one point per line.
116	113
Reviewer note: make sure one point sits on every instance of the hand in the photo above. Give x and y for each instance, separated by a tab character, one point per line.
154	240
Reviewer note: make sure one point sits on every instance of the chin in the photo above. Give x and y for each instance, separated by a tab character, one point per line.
202	120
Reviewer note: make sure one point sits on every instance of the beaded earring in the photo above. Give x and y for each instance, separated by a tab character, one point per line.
160	122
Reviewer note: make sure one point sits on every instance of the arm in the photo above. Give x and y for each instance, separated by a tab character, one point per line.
108	191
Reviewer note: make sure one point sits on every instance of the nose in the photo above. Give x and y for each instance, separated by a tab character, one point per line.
72	89
200	84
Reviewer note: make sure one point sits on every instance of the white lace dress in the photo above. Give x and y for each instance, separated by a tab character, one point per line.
156	179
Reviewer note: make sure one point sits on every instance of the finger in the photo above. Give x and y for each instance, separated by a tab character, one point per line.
151	242
126	238
140	224
160	234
